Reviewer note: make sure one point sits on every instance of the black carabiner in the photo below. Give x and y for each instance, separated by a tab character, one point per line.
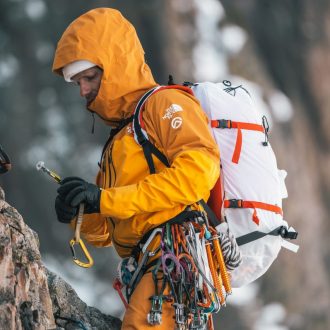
5	164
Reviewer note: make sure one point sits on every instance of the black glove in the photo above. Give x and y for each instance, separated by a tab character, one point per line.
65	213
75	190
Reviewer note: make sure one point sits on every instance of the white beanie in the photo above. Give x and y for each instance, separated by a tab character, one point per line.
73	68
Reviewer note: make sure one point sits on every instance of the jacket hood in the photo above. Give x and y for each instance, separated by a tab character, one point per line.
103	36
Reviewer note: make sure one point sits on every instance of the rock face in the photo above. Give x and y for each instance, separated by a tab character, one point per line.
31	297
72	313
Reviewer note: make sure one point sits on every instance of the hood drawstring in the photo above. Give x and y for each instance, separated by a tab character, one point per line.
93	124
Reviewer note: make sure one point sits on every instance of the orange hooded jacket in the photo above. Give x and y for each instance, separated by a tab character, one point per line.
132	200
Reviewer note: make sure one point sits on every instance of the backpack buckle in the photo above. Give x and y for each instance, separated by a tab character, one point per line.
287	233
235	203
224	123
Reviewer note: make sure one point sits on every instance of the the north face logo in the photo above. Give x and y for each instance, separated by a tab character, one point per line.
169	112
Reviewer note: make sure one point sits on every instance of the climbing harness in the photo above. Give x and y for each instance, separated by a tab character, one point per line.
76	240
189	263
5	164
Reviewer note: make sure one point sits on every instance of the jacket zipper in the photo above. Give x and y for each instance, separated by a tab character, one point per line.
113	238
111	168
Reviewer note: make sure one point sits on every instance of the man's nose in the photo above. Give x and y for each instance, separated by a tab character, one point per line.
84	88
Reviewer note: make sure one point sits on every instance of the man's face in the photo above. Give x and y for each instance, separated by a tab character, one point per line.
89	82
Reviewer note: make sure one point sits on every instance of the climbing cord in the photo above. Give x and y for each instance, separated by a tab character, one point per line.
76	240
191	264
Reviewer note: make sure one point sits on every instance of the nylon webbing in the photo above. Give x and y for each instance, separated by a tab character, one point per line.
224	123
148	148
210	214
239	203
253	236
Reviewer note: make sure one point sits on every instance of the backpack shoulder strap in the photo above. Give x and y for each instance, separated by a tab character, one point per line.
140	134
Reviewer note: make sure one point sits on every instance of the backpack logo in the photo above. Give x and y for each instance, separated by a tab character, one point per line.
169	112
176	122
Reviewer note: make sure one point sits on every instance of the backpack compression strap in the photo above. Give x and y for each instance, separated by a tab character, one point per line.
279	231
224	123
239	203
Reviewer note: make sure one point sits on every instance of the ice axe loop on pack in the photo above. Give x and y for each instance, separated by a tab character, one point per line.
76	240
5	164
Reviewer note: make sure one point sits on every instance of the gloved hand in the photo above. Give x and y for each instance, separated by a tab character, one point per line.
74	190
65	213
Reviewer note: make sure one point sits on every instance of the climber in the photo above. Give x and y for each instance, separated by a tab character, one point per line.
101	53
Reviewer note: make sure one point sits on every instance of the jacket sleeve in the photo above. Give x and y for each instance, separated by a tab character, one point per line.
177	125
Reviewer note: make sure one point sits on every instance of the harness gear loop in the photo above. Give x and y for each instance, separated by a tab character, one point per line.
79	241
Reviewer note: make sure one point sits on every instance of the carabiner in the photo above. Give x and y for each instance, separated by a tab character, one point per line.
78	240
86	253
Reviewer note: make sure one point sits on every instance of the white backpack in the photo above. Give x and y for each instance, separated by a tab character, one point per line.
252	187
250	190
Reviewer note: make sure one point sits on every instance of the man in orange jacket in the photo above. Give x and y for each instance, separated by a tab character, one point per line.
101	52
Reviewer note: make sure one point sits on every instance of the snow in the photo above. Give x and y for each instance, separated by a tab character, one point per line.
233	38
270	317
35	9
9	67
281	106
243	296
209	61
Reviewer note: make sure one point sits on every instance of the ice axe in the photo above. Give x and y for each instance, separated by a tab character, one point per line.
76	240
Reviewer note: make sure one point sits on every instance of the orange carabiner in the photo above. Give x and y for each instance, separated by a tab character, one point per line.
221	262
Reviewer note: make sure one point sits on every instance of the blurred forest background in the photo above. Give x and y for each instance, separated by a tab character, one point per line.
279	49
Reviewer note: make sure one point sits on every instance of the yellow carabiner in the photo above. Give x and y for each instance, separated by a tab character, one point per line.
86	253
78	240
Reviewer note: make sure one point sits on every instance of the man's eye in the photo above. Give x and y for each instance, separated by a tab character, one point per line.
90	78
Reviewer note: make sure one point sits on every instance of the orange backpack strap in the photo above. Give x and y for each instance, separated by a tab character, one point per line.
224	123
239	203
